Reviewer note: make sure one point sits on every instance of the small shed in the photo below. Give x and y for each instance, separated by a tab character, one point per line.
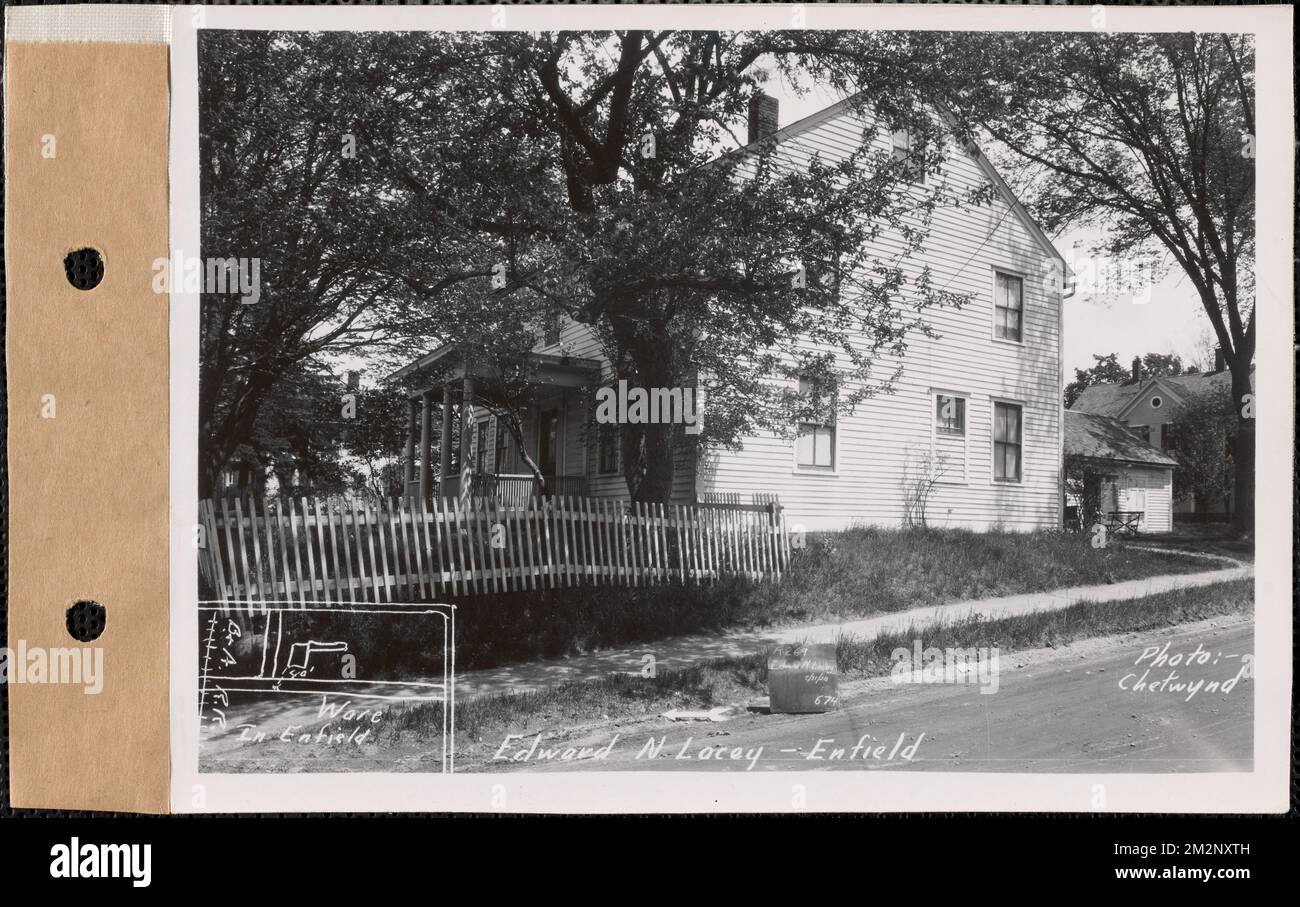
1117	471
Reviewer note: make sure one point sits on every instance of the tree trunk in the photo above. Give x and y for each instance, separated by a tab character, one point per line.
654	474
1243	453
648	448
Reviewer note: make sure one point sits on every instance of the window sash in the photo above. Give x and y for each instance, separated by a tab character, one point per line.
826	401
955	425
1008	462
1168	437
481	454
1008	306
608	453
901	147
815	446
551	330
499	450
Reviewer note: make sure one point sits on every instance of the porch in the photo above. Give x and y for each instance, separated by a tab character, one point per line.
477	458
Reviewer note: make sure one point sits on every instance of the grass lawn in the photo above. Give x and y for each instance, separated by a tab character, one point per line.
855	573
727	681
1205	538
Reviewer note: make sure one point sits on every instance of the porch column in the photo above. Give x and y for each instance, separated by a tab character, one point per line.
409	472
467	437
444	446
426	444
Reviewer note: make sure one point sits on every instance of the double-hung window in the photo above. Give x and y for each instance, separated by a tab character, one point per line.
903	148
499	453
480	447
1008	307
949	415
815	447
551	329
1168	437
1008	432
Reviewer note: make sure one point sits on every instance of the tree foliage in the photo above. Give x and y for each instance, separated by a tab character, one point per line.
503	177
1148	136
1206	429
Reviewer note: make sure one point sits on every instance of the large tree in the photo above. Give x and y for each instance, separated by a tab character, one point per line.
575	173
282	181
1149	136
585	169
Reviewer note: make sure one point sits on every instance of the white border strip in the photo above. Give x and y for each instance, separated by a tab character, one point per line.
89	22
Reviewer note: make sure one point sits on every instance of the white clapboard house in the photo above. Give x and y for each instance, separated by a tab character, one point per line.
978	407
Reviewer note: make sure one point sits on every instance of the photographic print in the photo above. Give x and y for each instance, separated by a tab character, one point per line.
765	399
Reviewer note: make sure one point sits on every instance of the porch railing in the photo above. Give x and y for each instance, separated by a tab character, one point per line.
511	490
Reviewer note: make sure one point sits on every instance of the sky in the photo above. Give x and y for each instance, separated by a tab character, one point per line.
1099	318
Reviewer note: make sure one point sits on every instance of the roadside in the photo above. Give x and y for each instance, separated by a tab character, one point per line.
1072	708
572	710
684	652
834	577
410	738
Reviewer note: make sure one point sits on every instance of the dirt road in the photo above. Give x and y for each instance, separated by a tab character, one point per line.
1102	705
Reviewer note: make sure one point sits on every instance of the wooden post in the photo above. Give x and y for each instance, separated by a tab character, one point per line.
426	443
468	437
410	442
444	445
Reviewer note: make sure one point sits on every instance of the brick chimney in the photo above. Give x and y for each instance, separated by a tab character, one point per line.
1219	362
763	112
1137	369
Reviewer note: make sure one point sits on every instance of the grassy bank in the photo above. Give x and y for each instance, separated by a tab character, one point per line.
727	681
848	574
1205	538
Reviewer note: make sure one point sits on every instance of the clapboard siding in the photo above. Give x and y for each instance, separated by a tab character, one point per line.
1151	491
888	439
886	443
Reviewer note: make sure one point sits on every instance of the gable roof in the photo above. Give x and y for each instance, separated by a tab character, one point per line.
999	184
1117	399
1104	438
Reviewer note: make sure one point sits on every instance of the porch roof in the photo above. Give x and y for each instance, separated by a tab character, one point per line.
544	368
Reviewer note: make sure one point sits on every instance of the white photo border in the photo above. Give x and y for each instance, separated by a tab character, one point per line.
1265	789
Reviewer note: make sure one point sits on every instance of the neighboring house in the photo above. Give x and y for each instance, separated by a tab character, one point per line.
1149	407
979	404
1123	472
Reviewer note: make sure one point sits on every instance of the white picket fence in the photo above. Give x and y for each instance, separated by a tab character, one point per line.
346	550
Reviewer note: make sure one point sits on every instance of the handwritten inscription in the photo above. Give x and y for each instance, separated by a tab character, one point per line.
1157	670
803	678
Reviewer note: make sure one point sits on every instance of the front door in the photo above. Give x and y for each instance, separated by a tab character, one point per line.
548	429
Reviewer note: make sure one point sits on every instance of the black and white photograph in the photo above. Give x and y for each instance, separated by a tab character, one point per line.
760	400
420	412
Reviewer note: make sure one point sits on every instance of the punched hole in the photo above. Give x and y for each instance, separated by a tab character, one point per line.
84	268
86	620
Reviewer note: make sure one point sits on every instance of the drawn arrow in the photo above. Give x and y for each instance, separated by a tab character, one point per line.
716	714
